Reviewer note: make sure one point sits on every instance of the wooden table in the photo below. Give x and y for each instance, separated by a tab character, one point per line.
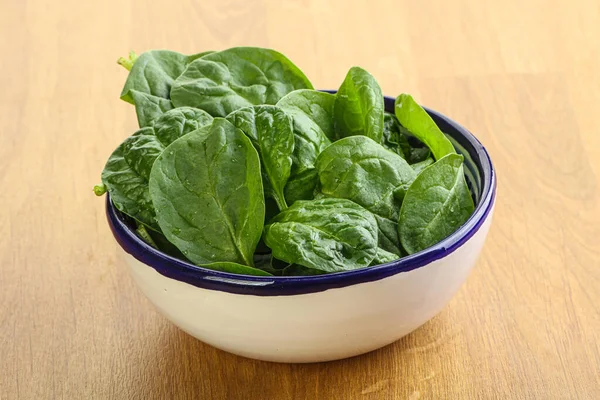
523	75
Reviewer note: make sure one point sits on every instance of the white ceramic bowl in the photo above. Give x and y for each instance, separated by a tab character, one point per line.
317	318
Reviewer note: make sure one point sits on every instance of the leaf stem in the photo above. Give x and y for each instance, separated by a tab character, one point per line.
100	189
127	63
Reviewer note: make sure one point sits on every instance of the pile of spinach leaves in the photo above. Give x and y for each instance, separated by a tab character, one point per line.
239	165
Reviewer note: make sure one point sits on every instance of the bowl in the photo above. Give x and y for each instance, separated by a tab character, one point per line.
317	318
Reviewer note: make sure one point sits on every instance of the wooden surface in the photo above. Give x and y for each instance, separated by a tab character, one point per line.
523	75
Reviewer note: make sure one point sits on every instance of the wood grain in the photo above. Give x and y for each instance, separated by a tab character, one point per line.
523	75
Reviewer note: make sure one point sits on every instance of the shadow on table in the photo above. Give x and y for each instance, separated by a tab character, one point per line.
183	367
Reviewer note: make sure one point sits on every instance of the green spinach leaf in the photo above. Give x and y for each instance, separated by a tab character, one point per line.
148	108
359	169
414	118
398	139
178	122
127	171
207	190
312	115
327	235
239	77
420	166
436	204
358	108
270	130
383	257
153	73
235	268
128	189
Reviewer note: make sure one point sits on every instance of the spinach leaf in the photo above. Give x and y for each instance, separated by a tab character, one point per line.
398	139
436	204
299	270
127	171
383	257
358	108
175	123
235	268
327	235
208	193
268	263
302	186
128	189
270	130
312	113
414	118
392	139
148	108
312	116
145	236
239	77
420	166
359	169
153	73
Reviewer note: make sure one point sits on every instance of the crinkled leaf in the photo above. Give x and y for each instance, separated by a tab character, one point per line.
436	204
239	77
414	118
153	73
208	193
359	169
148	108
312	115
235	268
270	130
398	139
383	257
358	108
128	169
420	166
180	121
302	186
128	189
328	235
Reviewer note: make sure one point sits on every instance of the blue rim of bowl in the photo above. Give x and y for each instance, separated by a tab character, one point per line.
286	286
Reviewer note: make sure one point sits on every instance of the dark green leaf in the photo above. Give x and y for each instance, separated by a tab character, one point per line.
299	270
383	257
239	77
128	189
358	108
436	204
398	139
178	122
420	166
358	169
302	186
328	235
148	108
235	268
312	115
414	118
127	171
270	130
208	193
153	73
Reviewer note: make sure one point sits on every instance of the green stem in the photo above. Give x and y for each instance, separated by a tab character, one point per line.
100	189
127	63
280	200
